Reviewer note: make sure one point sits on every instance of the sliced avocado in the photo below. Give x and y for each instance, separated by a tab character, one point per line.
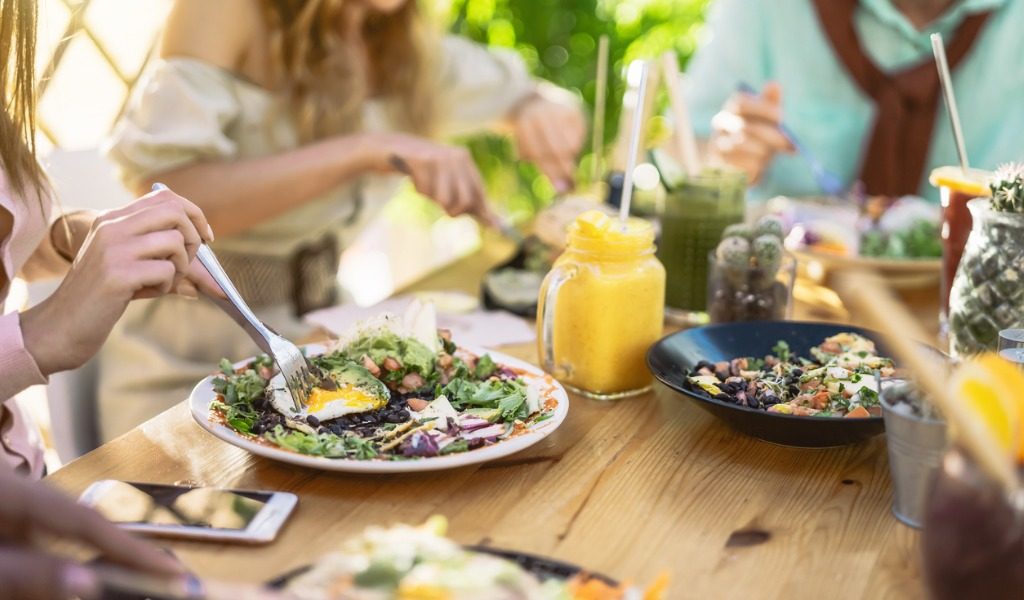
491	415
357	376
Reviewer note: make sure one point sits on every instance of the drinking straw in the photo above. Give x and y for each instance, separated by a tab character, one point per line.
947	91
600	102
892	319
685	137
634	143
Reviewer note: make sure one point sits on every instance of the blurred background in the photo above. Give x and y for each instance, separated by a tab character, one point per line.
91	52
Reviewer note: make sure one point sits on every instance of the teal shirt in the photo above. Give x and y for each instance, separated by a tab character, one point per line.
756	41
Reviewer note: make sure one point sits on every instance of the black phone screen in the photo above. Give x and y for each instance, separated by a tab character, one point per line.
208	508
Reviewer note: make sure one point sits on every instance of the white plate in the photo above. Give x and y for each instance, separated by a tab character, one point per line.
203	395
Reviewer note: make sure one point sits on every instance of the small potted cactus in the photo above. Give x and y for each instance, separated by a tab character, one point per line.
988	290
751	275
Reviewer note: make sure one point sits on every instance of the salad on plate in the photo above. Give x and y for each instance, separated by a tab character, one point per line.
842	378
419	563
391	389
905	228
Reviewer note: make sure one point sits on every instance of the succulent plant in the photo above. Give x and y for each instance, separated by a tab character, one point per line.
734	252
769	225
1007	185
767	250
745	286
738	230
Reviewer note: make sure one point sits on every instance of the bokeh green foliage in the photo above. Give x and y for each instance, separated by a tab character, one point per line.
558	39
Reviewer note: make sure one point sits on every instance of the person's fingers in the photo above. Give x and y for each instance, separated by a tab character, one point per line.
772	93
462	186
556	157
750	106
50	511
767	134
33	575
749	158
478	196
194	213
161	217
167	244
442	190
526	140
150	278
202	281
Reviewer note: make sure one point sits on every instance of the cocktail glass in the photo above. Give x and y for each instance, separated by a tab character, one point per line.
956	189
973	538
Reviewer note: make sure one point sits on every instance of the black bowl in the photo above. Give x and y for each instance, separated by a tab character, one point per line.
676	355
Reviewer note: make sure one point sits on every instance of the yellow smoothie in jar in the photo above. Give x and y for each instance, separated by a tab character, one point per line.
602	306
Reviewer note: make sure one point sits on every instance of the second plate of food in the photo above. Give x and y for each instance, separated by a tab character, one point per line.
786	382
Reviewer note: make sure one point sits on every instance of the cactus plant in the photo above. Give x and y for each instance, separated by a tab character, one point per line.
769	225
1007	187
744	283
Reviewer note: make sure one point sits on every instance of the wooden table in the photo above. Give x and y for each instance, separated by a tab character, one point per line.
629	488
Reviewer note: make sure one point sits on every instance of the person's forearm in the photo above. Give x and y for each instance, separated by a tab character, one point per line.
241	194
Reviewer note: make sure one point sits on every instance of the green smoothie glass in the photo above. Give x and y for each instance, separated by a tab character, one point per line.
695	213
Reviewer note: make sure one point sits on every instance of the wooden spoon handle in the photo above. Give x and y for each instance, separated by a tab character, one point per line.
868	296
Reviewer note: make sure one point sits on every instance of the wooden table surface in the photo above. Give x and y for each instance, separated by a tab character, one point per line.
628	488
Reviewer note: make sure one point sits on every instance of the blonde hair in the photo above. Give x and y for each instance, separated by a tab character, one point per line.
17	88
320	69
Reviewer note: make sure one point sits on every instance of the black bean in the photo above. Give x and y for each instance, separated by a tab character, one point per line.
798	372
752	402
725	398
313	421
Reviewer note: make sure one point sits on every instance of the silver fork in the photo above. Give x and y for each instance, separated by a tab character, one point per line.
290	360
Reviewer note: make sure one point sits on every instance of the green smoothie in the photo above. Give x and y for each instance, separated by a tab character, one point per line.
695	213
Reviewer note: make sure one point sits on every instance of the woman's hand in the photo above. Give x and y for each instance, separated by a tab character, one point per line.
549	130
446	174
143	250
746	135
28	509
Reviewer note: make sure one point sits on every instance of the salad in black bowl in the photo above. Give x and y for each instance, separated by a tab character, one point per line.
791	383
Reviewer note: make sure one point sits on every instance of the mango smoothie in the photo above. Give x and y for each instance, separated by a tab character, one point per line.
602	306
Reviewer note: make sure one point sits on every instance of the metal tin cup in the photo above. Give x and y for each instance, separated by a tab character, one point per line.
916	445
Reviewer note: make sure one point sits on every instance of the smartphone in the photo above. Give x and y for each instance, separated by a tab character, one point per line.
200	513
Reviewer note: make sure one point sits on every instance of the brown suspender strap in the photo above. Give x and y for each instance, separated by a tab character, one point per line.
906	102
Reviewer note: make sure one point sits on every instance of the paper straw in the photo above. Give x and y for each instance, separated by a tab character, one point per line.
634	144
600	103
685	137
947	91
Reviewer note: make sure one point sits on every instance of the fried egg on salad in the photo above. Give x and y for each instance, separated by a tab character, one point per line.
344	391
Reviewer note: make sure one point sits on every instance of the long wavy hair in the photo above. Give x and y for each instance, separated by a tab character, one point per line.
323	74
17	88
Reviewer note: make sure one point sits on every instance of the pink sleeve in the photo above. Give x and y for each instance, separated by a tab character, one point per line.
18	369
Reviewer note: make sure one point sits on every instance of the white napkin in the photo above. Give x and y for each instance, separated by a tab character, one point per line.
482	328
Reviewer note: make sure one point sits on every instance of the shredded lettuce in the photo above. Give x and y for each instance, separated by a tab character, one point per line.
414	356
239	390
485	367
322	444
509	397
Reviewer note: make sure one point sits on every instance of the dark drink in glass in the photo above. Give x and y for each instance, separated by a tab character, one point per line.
973	538
956	189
